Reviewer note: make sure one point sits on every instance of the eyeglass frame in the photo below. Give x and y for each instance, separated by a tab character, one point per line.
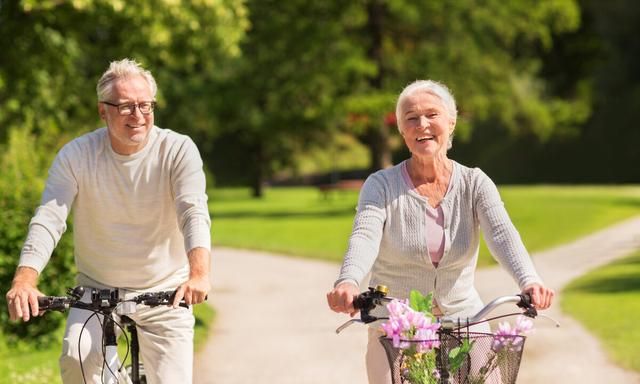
133	109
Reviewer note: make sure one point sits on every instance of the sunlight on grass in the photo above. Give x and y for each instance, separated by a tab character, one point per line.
26	364
607	302
298	221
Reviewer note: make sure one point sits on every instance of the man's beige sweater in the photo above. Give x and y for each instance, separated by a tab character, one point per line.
134	217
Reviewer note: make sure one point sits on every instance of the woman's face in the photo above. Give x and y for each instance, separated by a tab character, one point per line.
128	133
425	124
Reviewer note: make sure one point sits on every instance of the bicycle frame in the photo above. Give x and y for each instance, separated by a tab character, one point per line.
136	376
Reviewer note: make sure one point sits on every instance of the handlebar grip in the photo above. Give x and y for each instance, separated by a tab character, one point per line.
360	302
154	299
53	303
526	301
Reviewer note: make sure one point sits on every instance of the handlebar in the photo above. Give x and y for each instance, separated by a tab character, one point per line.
368	300
103	300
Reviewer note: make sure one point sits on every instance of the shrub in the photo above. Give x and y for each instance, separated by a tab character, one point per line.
23	168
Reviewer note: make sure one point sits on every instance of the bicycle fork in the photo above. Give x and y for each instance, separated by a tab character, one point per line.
112	374
135	353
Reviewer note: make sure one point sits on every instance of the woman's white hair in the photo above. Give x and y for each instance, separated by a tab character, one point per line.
119	70
433	87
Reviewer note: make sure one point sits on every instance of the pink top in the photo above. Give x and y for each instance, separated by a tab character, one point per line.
435	225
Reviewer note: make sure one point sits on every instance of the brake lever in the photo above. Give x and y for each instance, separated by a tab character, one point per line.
526	304
348	323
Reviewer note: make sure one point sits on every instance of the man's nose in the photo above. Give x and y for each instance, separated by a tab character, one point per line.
136	112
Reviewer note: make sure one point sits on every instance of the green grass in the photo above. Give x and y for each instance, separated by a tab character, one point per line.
27	365
299	221
607	302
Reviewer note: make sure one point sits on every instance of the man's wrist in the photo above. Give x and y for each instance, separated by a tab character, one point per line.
25	275
199	262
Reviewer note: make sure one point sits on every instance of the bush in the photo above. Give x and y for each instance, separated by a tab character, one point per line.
23	168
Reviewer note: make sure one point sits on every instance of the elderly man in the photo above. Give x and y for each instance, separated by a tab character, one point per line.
141	223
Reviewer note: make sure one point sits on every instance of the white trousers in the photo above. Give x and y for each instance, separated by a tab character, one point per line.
378	370
166	347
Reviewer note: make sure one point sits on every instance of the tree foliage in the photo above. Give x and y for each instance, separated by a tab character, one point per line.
308	69
281	93
488	53
53	52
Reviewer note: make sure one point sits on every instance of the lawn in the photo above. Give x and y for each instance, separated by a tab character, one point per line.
607	302
303	222
297	221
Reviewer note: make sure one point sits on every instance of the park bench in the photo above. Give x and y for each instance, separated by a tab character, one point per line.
340	185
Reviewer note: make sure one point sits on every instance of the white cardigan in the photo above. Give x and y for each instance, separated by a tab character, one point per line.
389	239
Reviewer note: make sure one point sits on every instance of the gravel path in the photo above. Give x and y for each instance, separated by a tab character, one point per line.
273	325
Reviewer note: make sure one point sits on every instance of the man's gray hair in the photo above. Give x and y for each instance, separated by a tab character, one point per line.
433	87
119	70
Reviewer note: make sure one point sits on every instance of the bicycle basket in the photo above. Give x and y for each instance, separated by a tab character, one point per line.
491	359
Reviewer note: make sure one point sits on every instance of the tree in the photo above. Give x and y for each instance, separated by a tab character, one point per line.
281	94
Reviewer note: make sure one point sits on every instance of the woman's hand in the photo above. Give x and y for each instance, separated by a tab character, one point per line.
541	296
340	299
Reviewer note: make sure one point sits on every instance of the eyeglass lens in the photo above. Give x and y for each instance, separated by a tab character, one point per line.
127	109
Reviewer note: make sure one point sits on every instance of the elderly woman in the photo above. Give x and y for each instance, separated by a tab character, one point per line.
418	224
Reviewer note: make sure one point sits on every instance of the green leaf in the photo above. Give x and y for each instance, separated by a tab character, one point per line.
421	303
458	355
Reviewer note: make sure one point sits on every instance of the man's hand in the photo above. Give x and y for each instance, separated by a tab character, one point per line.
23	294
195	290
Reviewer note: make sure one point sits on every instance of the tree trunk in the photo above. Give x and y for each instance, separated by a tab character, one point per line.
377	134
377	139
258	172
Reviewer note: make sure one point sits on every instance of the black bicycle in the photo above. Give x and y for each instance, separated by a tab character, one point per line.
461	356
105	302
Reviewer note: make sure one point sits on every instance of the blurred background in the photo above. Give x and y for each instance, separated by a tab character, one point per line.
302	93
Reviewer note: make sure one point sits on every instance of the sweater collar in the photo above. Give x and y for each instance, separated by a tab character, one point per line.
453	183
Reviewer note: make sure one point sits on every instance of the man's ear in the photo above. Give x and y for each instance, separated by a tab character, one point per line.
101	111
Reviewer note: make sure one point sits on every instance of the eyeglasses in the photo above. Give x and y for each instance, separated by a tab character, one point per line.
126	109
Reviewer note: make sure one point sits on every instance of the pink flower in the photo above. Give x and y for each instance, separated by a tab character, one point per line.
509	338
406	325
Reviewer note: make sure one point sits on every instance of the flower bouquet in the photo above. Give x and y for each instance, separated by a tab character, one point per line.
420	352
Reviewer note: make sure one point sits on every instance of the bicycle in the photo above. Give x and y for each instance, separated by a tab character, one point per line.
105	302
454	336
